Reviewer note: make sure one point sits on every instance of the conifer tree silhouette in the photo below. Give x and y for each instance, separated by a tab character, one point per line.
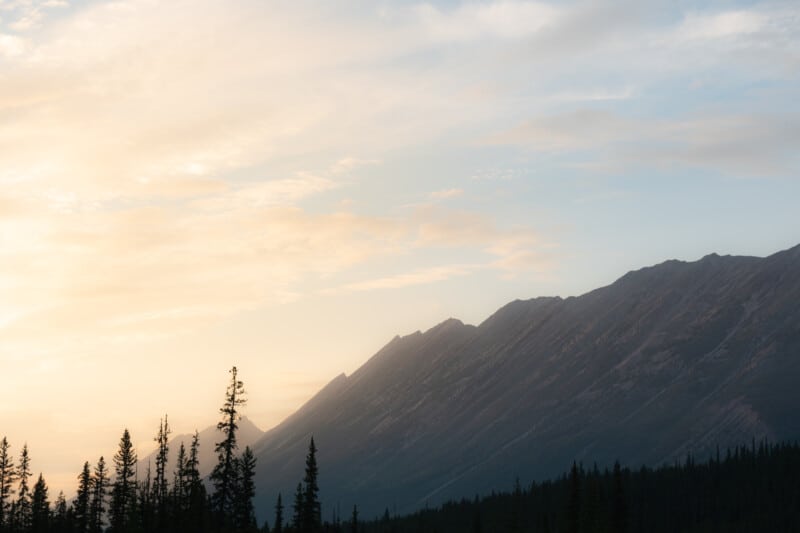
225	473
123	493
8	475
100	484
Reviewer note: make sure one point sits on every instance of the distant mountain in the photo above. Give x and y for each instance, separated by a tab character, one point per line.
247	435
675	358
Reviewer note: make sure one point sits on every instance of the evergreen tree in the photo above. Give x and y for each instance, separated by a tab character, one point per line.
160	488
40	507
311	520
8	475
100	484
278	516
574	508
354	520
22	514
145	496
60	515
198	510
80	506
224	476
193	463
297	507
179	482
619	512
246	490
123	493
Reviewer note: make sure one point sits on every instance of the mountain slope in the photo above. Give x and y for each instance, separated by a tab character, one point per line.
669	359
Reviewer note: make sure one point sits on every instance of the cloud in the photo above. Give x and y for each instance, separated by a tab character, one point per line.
504	20
11	45
720	25
744	145
595	95
348	164
445	194
417	277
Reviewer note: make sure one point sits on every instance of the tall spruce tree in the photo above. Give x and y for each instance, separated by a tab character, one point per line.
311	519
160	487
22	510
40	507
144	500
100	484
179	484
80	506
297	508
193	463
354	520
198	509
60	515
619	510
8	475
225	473
123	493
574	503
245	519
278	516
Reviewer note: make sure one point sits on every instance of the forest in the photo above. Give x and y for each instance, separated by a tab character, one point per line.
753	488
750	488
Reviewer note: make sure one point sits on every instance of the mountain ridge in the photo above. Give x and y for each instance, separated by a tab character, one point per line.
676	357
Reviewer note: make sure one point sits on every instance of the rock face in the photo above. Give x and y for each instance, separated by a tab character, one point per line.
671	359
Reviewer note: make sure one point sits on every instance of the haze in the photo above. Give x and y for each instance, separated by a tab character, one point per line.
285	186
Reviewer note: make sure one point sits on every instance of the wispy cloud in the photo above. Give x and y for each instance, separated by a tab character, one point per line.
445	194
505	19
749	145
417	277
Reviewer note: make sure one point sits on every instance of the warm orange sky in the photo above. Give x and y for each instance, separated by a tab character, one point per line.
284	186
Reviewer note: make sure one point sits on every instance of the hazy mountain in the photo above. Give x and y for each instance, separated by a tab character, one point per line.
247	435
667	360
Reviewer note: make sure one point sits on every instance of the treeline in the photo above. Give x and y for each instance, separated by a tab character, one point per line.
755	488
133	499
750	489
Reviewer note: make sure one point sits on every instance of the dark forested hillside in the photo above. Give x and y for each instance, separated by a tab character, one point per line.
750	489
668	360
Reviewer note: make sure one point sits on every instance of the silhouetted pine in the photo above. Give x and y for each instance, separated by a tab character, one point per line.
310	519
245	516
225	474
574	507
160	488
60	522
619	511
180	496
197	516
278	516
97	507
22	508
123	493
40	507
354	520
8	475
145	514
80	506
297	508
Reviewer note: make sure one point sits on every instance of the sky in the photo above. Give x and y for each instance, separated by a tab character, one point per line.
286	185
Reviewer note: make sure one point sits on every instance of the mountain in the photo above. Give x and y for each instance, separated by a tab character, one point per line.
247	435
671	359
